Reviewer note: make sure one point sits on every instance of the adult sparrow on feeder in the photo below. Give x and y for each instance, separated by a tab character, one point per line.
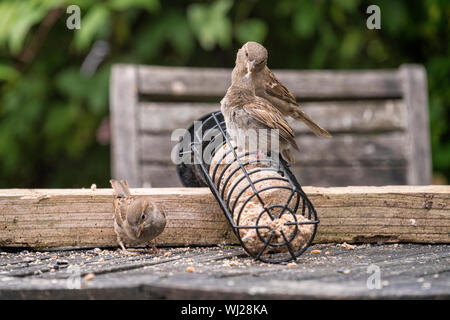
137	219
245	114
252	57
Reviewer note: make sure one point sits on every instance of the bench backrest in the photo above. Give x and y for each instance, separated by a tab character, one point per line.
378	118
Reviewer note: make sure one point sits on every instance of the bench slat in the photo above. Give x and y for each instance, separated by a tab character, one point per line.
335	116
164	175
172	82
343	149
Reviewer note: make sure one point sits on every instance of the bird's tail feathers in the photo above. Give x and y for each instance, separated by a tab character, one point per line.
121	189
318	130
287	155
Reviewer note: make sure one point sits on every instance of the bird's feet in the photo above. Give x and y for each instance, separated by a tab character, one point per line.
124	250
154	250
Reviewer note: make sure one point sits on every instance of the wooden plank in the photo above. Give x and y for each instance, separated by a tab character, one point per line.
173	82
360	116
69	227
351	214
357	175
345	149
164	175
123	100
407	271
158	117
414	82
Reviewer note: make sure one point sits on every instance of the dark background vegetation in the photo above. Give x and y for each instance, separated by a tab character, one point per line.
53	118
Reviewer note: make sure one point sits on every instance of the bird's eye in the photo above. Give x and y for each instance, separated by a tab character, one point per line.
143	216
246	54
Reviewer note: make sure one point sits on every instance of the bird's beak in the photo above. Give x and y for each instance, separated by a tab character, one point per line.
141	227
250	65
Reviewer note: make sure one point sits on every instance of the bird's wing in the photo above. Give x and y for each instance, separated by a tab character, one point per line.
120	187
276	89
119	212
268	115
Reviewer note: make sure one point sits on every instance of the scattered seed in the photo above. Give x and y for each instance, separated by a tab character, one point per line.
347	246
291	264
89	276
190	269
327	253
316	251
93	187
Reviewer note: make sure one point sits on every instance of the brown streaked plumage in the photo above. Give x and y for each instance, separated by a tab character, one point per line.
253	57
245	114
139	220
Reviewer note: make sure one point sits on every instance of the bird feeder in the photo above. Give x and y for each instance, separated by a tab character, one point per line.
262	200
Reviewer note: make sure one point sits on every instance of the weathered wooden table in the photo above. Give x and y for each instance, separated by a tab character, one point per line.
224	272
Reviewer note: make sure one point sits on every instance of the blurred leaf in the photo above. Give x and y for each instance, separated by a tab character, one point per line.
79	88
251	30
350	44
376	50
210	23
71	83
22	26
347	5
179	34
97	91
60	119
93	23
393	16
306	18
8	73
150	5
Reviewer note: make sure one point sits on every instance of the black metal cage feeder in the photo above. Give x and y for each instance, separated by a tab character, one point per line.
243	184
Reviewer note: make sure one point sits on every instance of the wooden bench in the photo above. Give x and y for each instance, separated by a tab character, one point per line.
378	118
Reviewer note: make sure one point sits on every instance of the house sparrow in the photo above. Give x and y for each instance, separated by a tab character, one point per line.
137	219
253	57
245	114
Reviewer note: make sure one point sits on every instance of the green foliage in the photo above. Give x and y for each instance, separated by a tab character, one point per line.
50	113
211	23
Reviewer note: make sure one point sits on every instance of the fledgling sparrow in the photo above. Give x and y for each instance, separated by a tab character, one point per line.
245	114
253	57
137	219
